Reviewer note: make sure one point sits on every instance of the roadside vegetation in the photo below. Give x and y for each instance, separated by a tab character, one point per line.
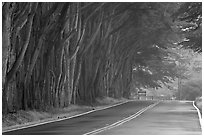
59	55
190	86
30	117
198	103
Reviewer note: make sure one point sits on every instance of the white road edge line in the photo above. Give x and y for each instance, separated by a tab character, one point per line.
33	125
121	121
199	115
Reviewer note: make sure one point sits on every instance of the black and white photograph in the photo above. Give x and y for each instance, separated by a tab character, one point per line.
101	67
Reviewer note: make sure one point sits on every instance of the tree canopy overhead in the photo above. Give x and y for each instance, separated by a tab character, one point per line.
55	54
189	19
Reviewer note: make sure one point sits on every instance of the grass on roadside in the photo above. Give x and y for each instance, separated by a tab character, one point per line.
24	118
198	103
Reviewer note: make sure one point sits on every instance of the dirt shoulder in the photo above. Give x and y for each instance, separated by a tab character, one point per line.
28	118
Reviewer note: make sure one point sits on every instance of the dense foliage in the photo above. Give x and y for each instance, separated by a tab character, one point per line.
55	54
189	18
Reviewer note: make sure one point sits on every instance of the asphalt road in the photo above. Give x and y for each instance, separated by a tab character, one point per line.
165	118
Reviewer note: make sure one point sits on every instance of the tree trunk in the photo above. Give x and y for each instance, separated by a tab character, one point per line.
6	43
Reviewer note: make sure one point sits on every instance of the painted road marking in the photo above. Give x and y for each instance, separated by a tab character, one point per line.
42	123
121	121
199	115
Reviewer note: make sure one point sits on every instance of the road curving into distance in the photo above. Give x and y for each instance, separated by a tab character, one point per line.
85	123
167	118
133	117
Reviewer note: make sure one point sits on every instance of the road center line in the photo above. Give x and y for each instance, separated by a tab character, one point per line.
66	118
121	121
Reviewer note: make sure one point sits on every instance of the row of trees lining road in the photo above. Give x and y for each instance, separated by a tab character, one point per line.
191	86
56	54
